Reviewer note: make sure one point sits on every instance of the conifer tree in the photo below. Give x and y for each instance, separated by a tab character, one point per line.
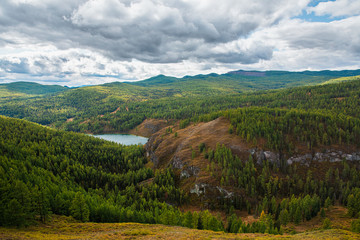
79	208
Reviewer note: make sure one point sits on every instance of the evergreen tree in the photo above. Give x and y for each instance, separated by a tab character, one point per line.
79	208
284	217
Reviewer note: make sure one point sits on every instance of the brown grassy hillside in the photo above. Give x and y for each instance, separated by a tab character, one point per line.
66	228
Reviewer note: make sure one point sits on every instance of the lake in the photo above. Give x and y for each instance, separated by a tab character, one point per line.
125	139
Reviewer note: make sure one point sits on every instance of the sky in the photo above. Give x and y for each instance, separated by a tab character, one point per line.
87	42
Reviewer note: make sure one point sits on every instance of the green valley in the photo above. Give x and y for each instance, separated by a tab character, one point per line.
248	154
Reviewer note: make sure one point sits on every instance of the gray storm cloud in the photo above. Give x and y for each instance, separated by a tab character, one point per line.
150	31
135	39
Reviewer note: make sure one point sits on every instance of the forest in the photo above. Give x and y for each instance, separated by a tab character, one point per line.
54	168
122	106
45	171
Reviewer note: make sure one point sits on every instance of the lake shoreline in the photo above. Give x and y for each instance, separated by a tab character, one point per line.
124	139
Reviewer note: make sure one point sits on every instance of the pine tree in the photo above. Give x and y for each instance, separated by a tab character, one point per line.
284	217
41	204
297	217
327	203
322	213
326	223
188	220
14	214
79	208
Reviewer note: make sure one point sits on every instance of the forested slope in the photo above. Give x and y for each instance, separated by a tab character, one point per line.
339	98
119	107
45	171
290	164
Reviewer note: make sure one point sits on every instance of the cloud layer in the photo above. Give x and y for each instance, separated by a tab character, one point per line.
78	42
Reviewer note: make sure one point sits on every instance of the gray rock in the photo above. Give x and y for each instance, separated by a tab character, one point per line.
199	188
194	171
177	162
223	191
318	155
300	159
271	156
184	174
335	159
252	151
190	171
260	156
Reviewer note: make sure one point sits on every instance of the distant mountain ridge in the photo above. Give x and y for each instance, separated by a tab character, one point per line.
253	80
279	79
32	88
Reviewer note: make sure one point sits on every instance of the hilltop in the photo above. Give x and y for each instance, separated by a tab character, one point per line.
27	89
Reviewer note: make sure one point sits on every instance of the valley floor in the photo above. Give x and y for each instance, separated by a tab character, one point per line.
66	228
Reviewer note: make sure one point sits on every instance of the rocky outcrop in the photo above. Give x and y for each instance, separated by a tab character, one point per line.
224	192
329	155
152	156
150	148
260	155
199	188
177	162
189	172
203	189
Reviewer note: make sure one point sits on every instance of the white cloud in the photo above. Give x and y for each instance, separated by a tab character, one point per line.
80	42
337	8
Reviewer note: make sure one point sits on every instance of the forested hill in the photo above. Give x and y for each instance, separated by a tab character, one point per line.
243	81
45	171
281	157
29	88
119	107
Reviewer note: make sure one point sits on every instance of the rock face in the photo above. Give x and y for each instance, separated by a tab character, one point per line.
189	172
177	162
152	157
199	188
259	156
150	148
203	189
329	155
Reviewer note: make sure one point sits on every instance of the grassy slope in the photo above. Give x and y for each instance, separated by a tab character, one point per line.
342	79
66	228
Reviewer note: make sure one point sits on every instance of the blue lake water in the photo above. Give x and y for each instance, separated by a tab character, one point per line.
125	139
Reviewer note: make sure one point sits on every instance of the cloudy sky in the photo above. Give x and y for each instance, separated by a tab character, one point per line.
82	42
